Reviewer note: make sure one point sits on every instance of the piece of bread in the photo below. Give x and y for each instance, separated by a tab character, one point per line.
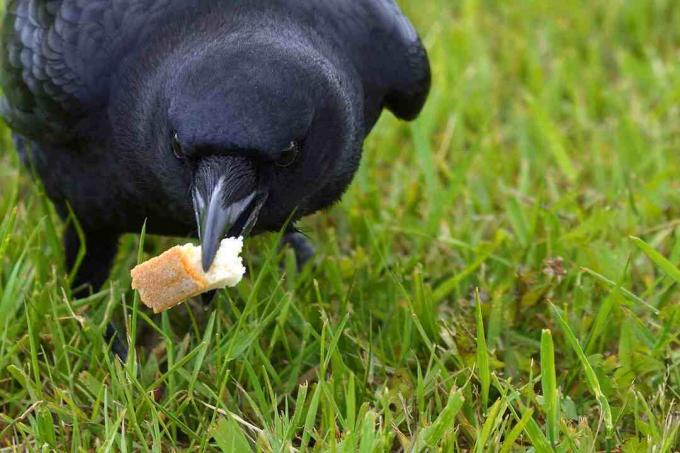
177	275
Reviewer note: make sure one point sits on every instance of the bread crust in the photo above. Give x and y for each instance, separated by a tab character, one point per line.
167	280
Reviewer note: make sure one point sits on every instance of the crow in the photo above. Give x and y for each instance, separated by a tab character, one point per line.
200	117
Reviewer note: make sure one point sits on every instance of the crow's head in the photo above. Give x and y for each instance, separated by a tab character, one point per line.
257	134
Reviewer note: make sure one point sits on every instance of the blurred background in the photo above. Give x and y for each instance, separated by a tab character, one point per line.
551	137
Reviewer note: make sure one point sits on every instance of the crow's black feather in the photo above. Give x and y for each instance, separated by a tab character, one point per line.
95	89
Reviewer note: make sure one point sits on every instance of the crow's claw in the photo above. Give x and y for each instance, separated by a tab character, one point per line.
208	298
301	245
115	339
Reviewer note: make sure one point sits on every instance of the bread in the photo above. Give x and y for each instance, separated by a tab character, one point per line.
177	275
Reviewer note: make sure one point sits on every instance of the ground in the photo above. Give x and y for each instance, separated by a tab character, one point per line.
500	276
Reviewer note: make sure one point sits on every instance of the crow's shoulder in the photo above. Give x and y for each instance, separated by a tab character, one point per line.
386	48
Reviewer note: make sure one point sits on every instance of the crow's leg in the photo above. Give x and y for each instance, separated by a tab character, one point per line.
301	245
114	338
101	248
207	298
94	269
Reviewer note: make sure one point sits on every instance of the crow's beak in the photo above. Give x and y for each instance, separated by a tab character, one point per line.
216	218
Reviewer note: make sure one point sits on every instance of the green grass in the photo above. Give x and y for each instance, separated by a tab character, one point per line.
502	275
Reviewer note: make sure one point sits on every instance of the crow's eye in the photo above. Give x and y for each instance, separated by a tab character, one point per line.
176	146
288	156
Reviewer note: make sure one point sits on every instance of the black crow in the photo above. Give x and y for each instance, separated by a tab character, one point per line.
215	117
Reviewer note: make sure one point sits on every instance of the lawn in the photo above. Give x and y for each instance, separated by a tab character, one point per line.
502	274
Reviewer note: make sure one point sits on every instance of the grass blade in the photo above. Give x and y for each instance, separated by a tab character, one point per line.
482	354
591	377
497	410
551	398
433	434
669	268
514	434
229	437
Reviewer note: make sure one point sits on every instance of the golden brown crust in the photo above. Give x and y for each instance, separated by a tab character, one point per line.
167	280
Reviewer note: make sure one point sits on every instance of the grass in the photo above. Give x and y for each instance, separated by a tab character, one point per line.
502	275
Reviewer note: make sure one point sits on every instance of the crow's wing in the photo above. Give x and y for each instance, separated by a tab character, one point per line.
57	57
385	48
